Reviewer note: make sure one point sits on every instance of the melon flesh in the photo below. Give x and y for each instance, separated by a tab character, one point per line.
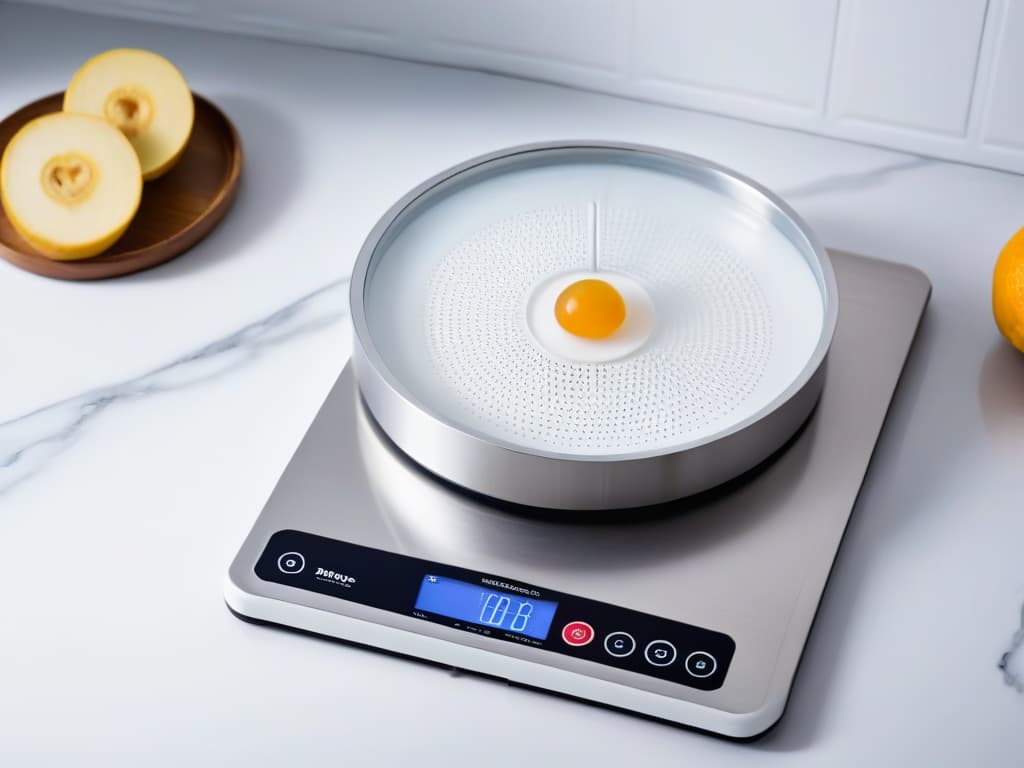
145	96
70	184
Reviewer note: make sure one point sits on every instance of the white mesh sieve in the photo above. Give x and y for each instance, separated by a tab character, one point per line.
710	349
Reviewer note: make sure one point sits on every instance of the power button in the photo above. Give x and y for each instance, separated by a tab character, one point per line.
577	633
291	562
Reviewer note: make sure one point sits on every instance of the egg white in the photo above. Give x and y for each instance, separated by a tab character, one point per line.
546	332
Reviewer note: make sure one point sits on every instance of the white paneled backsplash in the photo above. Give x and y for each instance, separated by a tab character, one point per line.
749	54
935	77
899	65
1002	122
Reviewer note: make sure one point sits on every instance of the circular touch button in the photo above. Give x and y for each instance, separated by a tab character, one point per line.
660	653
619	644
291	562
701	664
577	633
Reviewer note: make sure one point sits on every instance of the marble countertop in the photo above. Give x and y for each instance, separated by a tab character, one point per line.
143	422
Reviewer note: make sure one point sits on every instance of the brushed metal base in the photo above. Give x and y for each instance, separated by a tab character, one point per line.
750	559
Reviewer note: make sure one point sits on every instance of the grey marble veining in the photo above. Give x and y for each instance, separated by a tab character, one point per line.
1012	662
853	182
29	441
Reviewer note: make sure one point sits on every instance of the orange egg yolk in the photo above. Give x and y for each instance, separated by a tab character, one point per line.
590	309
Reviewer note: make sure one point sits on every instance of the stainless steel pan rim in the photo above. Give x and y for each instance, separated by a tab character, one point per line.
488	465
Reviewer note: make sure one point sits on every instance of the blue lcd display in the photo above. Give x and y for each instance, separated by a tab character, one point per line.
487	607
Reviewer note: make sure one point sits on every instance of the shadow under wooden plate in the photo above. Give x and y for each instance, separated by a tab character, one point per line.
177	210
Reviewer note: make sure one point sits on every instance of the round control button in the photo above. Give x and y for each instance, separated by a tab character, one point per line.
291	562
619	644
577	633
701	664
660	653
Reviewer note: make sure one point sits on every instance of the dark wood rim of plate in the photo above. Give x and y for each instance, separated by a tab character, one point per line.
177	210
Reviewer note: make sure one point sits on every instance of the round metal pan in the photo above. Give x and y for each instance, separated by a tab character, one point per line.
481	461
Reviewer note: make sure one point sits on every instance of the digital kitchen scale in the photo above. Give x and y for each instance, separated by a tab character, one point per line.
695	611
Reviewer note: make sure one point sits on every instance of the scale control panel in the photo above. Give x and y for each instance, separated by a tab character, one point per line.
499	608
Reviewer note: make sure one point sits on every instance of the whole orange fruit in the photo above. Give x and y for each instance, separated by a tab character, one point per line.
1008	291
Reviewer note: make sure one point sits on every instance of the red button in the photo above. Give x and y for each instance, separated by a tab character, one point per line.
577	633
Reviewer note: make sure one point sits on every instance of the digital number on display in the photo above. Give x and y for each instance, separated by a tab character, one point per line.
489	608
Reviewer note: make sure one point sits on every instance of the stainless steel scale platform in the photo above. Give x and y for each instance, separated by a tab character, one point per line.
695	611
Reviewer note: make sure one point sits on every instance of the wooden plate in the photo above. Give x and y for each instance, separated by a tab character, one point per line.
177	210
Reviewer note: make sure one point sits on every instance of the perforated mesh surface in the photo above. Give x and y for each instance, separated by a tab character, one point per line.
711	346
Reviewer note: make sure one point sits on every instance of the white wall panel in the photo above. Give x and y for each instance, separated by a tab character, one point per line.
933	77
1003	121
574	32
765	51
362	18
907	63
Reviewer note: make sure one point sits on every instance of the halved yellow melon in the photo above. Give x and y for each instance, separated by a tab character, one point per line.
144	95
70	184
